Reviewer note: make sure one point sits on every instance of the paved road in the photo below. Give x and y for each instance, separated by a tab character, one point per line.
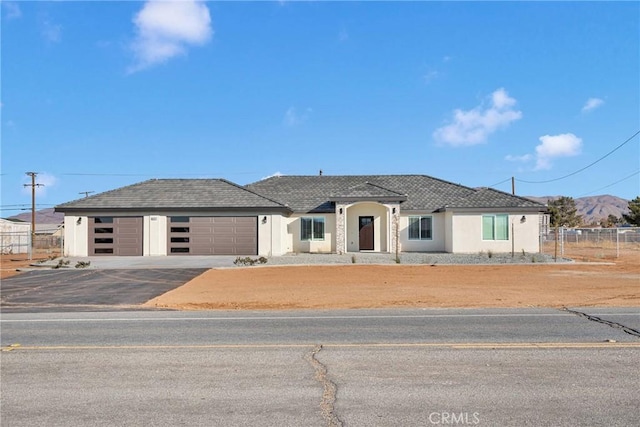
357	368
89	290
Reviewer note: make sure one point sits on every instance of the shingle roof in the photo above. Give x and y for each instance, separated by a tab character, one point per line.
424	193
491	198
175	194
367	190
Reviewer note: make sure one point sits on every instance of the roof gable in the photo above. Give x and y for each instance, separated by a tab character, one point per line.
367	191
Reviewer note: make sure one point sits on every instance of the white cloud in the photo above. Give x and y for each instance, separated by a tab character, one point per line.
523	158
554	146
276	174
12	10
430	76
165	29
592	104
474	126
51	32
293	117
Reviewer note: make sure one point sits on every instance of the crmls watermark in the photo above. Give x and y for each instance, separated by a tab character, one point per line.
454	418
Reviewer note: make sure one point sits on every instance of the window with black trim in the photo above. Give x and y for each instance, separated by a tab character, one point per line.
312	228
420	228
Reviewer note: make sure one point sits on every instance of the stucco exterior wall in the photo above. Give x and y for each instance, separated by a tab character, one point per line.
272	235
293	243
76	236
467	238
439	235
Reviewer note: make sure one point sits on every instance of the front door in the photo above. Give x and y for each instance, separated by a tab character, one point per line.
366	233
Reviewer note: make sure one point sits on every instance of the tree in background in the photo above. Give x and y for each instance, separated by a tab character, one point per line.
611	221
634	212
564	213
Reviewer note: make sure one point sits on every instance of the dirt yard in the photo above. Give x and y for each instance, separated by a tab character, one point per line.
377	286
608	282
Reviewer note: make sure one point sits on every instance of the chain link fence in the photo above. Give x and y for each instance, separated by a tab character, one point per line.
586	244
45	242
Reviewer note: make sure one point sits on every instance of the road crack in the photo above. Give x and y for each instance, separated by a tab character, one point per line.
330	389
597	319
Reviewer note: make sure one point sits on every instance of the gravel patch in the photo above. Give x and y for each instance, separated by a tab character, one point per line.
430	258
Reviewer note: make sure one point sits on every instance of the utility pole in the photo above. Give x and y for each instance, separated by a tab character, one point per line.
86	193
33	186
513	185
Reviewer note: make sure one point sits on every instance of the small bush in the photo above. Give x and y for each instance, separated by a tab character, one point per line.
250	261
62	263
83	264
353	259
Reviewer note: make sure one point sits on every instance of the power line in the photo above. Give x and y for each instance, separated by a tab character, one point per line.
612	184
584	168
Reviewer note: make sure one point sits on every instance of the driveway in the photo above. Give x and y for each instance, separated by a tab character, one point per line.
89	289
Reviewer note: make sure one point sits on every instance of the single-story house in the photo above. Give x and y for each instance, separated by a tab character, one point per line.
293	214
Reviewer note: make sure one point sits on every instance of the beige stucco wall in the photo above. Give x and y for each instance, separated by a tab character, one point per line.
468	234
76	236
291	241
436	244
272	235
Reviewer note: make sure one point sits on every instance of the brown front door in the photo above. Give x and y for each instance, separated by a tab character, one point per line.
366	233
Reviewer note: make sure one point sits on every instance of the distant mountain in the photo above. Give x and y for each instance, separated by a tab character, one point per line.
594	208
43	216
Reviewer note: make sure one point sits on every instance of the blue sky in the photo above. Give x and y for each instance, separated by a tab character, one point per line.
98	95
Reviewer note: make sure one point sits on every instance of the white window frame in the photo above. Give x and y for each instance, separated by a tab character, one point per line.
313	219
419	217
495	227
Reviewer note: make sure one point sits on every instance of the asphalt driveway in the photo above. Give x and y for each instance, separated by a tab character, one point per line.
90	289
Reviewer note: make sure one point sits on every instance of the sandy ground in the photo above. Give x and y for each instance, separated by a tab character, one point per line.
377	286
607	281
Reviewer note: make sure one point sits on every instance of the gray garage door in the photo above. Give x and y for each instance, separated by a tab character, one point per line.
110	235
219	235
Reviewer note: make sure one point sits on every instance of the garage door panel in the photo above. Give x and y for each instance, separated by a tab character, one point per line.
115	236
214	236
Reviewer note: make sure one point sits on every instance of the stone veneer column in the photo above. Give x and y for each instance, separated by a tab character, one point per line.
340	225
395	224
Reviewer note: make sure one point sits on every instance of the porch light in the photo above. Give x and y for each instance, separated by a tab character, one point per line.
79	221
393	210
523	219
264	220
340	211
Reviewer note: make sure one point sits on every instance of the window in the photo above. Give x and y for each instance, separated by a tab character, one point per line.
420	228
179	240
495	227
103	230
179	229
179	250
103	251
179	219
103	220
103	240
312	228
